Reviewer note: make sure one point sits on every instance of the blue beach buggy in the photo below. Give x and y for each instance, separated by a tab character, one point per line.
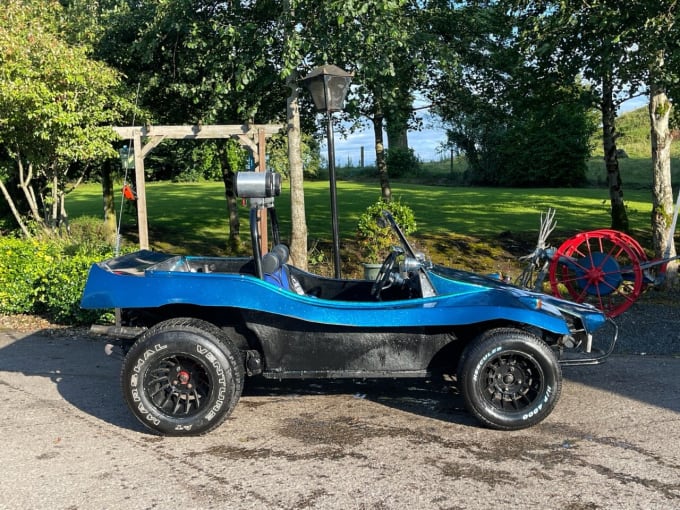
191	329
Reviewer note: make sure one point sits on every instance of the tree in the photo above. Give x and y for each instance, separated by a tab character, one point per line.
383	40
517	126
622	49
548	143
209	61
657	32
298	236
198	62
591	41
55	102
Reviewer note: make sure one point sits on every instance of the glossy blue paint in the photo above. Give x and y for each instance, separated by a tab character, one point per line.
463	298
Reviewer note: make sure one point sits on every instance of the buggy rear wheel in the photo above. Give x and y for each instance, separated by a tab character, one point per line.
509	379
182	377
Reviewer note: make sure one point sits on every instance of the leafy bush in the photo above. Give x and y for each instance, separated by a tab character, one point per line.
402	161
87	234
47	277
374	239
531	137
59	293
24	265
277	150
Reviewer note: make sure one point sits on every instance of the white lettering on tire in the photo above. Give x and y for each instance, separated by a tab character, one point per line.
493	351
221	380
539	407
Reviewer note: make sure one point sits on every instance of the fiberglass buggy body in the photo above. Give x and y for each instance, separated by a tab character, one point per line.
192	328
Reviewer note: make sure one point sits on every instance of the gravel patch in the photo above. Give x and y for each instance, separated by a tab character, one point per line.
34	324
651	326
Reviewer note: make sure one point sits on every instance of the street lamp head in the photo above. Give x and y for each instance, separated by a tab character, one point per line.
328	85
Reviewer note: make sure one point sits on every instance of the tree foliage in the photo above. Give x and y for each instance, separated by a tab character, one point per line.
594	41
384	42
506	75
55	102
622	49
516	125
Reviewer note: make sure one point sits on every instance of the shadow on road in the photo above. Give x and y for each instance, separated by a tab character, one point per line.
436	399
84	376
89	380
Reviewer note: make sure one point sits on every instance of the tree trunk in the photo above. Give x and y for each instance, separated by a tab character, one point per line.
386	191
108	201
234	243
397	117
298	234
54	215
397	134
25	178
63	215
15	211
662	192
611	160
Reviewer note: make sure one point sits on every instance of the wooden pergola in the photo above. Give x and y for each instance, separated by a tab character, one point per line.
145	138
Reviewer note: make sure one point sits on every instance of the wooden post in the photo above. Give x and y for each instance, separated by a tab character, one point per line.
140	185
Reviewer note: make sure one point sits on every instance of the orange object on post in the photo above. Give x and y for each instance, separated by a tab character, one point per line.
128	193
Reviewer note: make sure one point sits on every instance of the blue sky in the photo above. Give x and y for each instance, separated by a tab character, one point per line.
425	143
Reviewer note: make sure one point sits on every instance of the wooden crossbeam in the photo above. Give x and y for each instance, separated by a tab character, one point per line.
197	131
146	138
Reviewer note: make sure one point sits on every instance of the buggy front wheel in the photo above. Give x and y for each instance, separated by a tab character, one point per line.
509	379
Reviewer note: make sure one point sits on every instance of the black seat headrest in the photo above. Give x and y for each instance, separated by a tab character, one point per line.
281	251
273	260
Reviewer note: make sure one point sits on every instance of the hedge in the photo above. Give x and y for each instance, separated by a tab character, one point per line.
47	277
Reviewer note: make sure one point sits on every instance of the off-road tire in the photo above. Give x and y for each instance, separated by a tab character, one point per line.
509	379
182	377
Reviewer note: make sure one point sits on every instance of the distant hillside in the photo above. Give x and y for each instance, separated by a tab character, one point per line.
634	139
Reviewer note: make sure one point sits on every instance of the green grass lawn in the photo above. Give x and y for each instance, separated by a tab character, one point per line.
195	214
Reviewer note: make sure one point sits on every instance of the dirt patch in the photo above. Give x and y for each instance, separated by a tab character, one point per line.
23	323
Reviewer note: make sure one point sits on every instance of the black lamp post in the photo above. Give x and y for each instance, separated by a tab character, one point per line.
328	85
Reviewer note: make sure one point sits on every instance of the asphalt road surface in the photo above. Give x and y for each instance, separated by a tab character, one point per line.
69	442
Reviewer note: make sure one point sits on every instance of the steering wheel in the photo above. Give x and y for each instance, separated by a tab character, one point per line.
384	280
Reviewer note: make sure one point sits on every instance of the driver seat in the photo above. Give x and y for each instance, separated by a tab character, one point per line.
276	271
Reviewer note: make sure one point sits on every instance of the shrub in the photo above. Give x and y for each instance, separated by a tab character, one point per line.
87	234
59	294
402	161
375	239
24	265
47	277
